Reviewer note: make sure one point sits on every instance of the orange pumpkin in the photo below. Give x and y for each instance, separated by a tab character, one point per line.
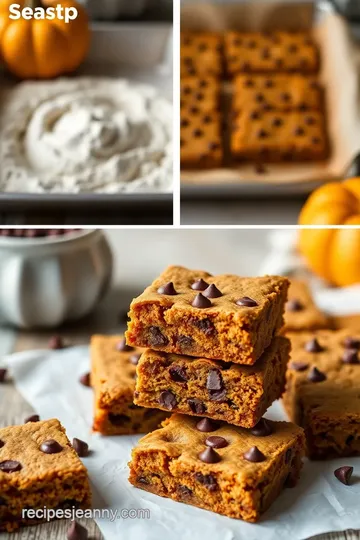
333	254
43	48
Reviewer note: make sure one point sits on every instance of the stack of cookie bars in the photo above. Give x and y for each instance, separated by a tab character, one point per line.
215	359
277	110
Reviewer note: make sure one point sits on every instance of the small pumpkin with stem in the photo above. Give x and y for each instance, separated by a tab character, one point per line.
43	48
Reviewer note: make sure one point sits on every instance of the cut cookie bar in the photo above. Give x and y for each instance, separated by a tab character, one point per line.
221	468
225	317
200	54
39	468
113	374
323	391
236	394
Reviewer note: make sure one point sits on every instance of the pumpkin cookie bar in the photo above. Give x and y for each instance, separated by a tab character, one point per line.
225	317
222	468
256	52
322	391
200	54
301	311
39	468
236	394
113	373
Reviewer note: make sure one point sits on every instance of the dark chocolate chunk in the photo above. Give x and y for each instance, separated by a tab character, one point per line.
56	342
85	379
168	289
178	373
1	443
3	373
121	346
343	474
246	301
201	302
196	406
51	447
168	400
206	425
209	456
217	395
184	491
294	305
156	338
350	356
262	429
80	447
77	532
118	419
351	343
32	418
205	325
134	358
207	480
214	380
185	342
10	466
316	376
216	442
313	346
298	366
254	455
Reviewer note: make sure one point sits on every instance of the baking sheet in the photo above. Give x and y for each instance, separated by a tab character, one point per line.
339	74
141	52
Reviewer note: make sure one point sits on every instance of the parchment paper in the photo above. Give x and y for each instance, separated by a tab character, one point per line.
48	380
339	75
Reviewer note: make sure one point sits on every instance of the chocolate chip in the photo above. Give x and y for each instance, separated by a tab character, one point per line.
293	47
185	342
279	62
351	343
214	380
248	83
277	122
216	442
267	107
156	338
194	110
201	302
254	115
178	374
262	429
85	379
184	491
313	346
1	443
168	400
212	292
205	325
303	107
269	83
202	47
316	140
254	455
10	466
198	132
206	425
80	447
207	120
168	289
260	98
260	168
122	347
246	301
299	131
118	419
285	96
207	480
134	358
265	53
143	480
51	447
203	84
252	44
56	342
209	456
3	373
316	376
184	122
262	134
2	502
298	366
196	406
343	474
294	305
76	532
32	418
288	455
350	356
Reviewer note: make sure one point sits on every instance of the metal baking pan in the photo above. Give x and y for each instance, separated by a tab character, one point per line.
141	52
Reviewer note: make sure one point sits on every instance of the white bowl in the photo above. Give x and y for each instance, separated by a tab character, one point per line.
47	281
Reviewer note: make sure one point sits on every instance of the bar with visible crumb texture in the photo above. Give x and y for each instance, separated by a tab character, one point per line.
39	468
224	317
236	394
218	467
113	371
322	391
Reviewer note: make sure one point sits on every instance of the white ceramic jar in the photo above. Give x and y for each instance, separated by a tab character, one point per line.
47	281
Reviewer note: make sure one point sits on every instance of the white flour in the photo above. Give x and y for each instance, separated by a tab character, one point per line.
85	135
